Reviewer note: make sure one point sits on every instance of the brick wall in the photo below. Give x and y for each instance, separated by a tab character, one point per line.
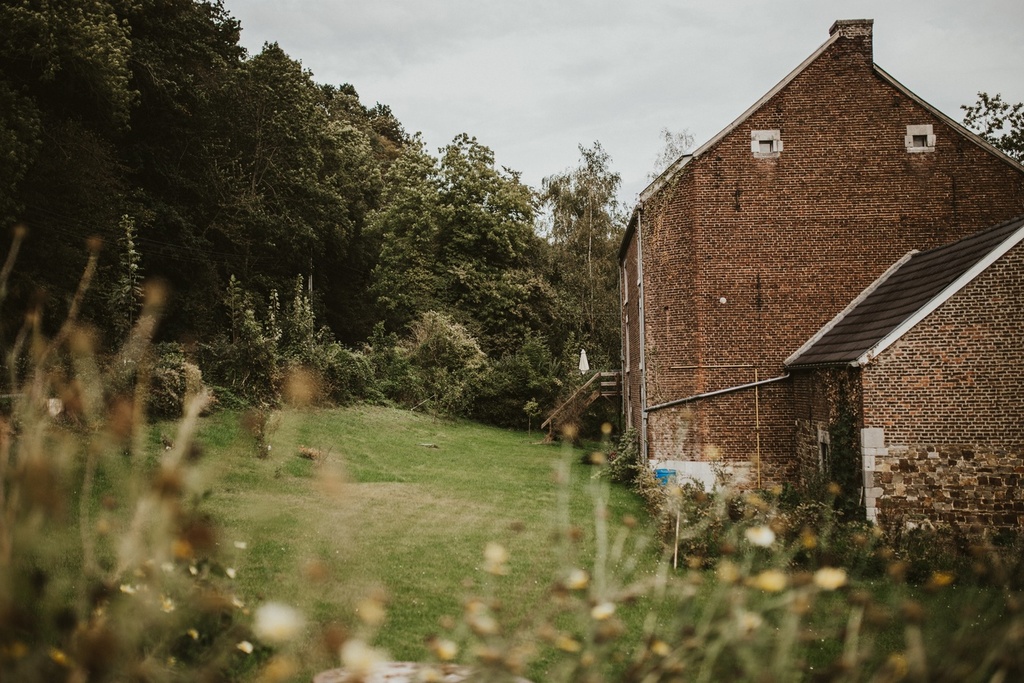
745	258
949	396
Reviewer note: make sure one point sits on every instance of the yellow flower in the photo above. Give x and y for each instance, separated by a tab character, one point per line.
660	648
193	634
445	650
277	623
770	581
940	579
166	604
760	536
830	578
728	572
602	611
59	656
567	644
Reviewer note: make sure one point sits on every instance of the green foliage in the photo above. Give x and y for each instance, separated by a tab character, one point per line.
125	296
585	227
512	389
447	361
174	382
999	122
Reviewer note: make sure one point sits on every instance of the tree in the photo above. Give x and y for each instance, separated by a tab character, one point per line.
456	235
999	122
674	146
585	226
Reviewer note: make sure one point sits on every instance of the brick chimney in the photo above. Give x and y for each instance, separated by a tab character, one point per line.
857	30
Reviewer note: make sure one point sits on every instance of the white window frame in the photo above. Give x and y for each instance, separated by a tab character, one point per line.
774	137
925	131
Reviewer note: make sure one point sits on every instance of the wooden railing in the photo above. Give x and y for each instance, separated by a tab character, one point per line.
602	384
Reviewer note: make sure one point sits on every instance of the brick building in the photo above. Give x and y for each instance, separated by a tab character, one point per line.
740	251
927	362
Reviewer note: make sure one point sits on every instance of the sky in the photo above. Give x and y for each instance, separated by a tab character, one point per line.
535	79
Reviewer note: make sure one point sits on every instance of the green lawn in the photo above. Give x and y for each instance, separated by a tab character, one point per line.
406	504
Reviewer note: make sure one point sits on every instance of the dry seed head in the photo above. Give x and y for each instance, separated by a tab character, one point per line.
761	536
830	578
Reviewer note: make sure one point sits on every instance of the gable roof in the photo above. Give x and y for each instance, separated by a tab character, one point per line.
912	288
835	35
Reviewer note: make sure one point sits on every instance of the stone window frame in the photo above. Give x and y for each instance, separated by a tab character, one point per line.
759	137
919	133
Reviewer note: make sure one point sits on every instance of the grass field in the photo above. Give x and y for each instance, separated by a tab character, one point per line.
404	505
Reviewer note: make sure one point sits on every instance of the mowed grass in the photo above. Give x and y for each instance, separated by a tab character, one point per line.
404	505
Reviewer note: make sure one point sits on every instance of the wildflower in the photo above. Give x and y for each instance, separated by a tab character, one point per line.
444	649
360	659
59	657
602	611
237	602
808	539
371	611
128	589
770	581
193	634
578	580
245	646
830	578
728	572
660	648
748	622
230	571
567	644
166	604
277	623
495	557
940	580
760	536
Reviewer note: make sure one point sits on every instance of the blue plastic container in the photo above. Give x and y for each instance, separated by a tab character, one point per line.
664	476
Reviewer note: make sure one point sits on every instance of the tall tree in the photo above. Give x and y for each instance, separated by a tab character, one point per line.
457	236
999	122
585	225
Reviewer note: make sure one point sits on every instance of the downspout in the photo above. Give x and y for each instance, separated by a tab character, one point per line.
643	332
717	392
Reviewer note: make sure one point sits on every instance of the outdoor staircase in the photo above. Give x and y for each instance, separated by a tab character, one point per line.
601	385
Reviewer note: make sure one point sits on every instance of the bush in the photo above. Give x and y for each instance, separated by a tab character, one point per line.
174	380
512	382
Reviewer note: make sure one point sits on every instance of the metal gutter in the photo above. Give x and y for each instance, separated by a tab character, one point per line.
719	392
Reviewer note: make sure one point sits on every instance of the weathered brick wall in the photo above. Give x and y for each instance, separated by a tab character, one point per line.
819	396
949	396
745	258
630	300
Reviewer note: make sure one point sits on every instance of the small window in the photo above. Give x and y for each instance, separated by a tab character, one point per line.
920	139
765	144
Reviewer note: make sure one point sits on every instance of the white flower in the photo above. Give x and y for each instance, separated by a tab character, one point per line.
230	571
277	623
578	580
245	646
760	535
360	659
603	610
495	557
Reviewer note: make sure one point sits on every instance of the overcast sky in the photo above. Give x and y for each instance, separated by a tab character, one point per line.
533	79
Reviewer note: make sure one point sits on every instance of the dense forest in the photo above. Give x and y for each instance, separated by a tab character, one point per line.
283	225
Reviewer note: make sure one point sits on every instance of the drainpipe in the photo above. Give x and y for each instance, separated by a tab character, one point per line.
643	332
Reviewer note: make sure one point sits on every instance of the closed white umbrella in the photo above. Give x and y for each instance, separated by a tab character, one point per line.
584	363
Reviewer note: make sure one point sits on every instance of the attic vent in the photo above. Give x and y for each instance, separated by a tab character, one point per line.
920	139
765	144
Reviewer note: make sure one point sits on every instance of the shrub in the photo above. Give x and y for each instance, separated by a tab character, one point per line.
174	381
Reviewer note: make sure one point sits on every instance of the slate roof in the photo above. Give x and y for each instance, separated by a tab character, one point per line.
915	285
